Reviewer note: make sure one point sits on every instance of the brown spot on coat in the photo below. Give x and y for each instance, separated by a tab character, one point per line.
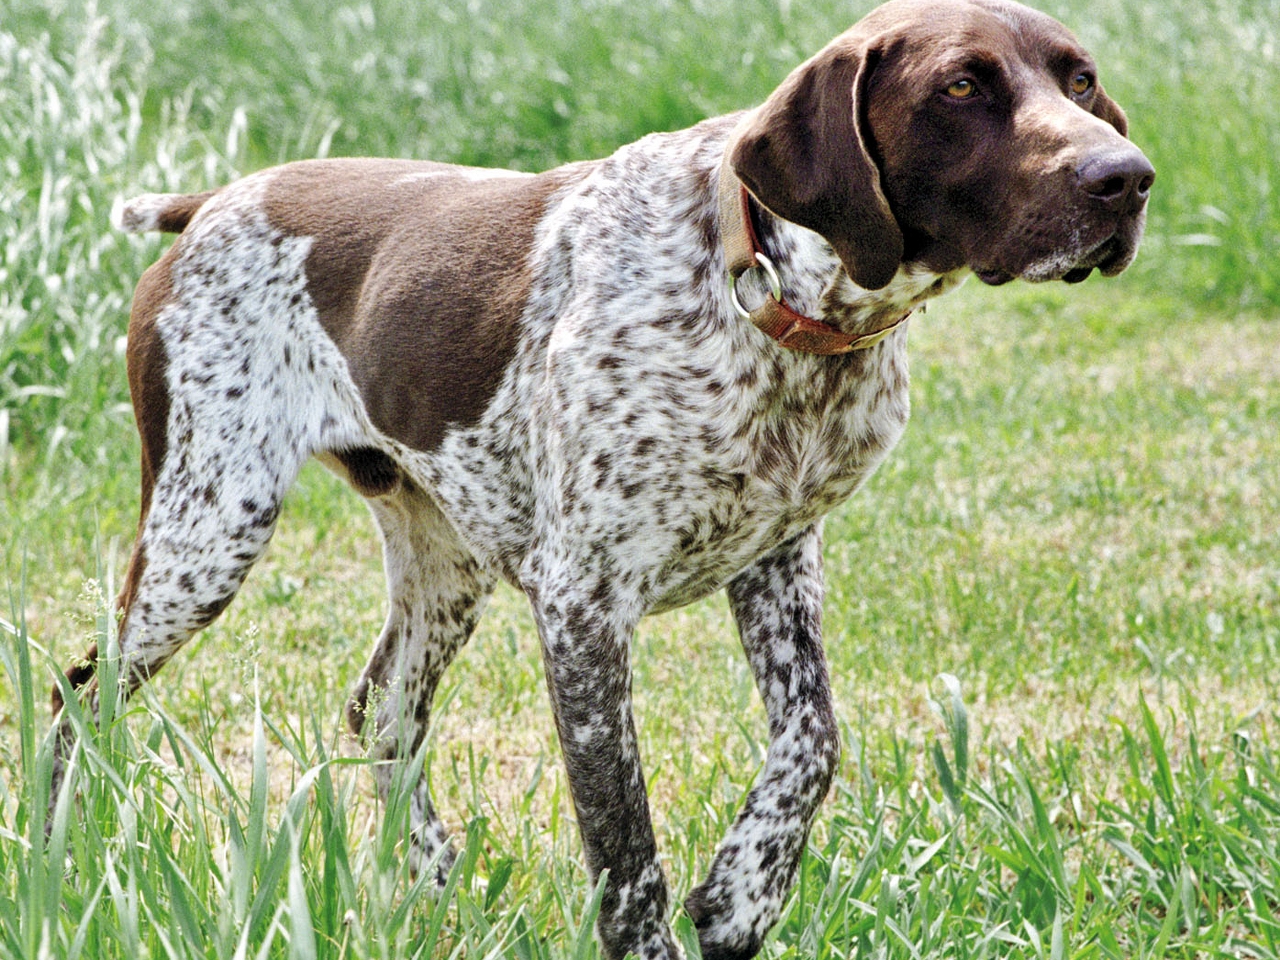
148	366
420	273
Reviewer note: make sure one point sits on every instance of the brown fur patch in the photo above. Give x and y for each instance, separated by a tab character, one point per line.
175	217
419	272
148	365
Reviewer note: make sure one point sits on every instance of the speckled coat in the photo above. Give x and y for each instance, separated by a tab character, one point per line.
543	379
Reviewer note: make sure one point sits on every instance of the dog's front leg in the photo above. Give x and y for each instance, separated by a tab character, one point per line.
586	626
778	606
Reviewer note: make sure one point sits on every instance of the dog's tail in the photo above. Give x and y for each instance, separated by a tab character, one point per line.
166	212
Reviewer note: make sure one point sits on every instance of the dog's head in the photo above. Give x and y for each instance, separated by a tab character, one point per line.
952	133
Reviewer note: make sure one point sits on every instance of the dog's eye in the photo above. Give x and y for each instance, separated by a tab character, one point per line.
1081	84
962	89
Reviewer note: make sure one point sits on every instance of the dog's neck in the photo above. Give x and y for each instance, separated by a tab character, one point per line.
819	309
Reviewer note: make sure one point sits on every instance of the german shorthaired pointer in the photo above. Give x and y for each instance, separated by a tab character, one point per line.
620	385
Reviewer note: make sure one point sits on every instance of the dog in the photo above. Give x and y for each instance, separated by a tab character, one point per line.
620	385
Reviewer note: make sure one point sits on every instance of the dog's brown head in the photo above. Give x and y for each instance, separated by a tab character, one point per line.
952	133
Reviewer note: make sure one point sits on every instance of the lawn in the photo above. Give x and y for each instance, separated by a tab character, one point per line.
1052	617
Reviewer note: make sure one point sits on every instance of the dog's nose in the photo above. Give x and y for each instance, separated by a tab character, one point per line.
1120	180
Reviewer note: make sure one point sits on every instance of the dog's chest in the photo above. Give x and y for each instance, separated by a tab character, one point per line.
677	469
796	445
682	471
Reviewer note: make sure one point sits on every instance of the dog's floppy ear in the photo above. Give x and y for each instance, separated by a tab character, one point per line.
1107	109
804	154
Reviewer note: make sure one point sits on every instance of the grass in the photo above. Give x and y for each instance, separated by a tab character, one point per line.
1053	616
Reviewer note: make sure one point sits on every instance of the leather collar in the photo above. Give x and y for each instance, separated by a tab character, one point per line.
742	252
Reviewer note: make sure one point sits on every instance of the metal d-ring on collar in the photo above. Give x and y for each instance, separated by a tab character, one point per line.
770	273
774	317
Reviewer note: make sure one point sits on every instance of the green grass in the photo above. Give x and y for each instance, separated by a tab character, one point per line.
1053	616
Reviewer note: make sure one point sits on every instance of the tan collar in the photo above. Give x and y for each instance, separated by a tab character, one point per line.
742	253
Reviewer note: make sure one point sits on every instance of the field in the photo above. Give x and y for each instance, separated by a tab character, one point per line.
1053	617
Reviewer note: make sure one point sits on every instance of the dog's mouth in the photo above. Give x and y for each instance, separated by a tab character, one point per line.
998	277
1110	257
994	278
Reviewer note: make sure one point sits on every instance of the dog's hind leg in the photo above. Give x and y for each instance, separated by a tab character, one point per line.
232	391
210	501
436	592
